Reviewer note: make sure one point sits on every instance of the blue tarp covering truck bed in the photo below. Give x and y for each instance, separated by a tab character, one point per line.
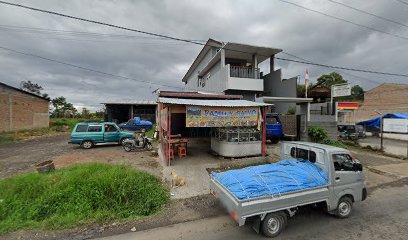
271	179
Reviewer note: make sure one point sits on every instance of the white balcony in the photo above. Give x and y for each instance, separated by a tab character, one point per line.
242	78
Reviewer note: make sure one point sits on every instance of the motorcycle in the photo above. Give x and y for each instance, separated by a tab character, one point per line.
141	142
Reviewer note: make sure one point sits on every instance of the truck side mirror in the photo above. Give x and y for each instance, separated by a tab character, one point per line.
357	167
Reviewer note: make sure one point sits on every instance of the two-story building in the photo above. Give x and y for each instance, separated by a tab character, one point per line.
232	68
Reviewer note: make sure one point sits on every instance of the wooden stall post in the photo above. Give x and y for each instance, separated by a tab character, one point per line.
263	131
168	134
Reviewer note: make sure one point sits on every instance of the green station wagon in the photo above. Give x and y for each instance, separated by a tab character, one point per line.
89	134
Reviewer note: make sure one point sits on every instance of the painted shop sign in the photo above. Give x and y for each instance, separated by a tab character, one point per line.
201	116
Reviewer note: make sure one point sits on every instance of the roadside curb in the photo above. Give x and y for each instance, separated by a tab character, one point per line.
384	173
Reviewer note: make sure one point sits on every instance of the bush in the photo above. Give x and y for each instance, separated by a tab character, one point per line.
317	134
334	143
79	194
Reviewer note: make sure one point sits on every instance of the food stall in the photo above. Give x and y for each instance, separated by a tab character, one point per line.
236	126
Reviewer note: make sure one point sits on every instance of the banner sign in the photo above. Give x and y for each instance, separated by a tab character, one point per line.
347	105
202	116
395	125
163	118
341	90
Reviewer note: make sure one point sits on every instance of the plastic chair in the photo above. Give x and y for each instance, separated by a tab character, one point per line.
182	152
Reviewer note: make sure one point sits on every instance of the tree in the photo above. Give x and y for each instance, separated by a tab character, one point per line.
85	112
62	108
327	80
357	93
34	88
31	87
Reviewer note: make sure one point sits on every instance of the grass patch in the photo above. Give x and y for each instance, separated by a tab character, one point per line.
334	143
8	139
150	133
56	125
79	194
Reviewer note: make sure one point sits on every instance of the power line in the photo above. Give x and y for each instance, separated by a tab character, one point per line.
77	33
346	73
85	68
100	23
343	68
198	43
368	13
342	19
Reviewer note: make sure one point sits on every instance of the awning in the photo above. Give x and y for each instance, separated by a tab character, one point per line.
286	99
211	102
376	122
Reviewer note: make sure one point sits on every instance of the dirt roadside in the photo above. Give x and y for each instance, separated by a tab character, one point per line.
20	157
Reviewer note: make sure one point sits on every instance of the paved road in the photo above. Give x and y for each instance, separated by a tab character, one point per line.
395	147
384	215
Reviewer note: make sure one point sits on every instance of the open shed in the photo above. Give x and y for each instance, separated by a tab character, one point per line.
123	110
235	127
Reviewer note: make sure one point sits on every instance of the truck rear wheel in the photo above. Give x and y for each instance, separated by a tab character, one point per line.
273	224
87	144
344	207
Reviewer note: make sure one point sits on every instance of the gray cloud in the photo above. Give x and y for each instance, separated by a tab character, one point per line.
266	23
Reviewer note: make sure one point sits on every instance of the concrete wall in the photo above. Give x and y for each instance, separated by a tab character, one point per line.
192	82
274	86
20	111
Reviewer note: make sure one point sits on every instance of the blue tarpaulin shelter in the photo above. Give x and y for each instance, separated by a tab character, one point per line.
376	122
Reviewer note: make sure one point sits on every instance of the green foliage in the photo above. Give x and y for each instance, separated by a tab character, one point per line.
357	93
59	123
62	108
291	110
334	143
78	194
31	87
317	134
327	80
4	139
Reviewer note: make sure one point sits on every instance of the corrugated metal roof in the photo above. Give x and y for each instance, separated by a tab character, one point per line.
130	101
197	95
211	102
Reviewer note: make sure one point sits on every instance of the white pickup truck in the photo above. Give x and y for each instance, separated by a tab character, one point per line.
268	213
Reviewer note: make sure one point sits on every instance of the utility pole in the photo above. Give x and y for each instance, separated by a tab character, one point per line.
381	130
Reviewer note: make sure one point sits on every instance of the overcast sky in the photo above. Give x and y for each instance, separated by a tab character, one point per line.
140	57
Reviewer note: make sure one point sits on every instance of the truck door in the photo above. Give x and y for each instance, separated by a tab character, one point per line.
111	133
346	180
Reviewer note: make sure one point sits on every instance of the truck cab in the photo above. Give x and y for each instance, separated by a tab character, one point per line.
136	124
274	130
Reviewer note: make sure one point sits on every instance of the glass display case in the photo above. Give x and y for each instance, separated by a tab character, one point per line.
236	141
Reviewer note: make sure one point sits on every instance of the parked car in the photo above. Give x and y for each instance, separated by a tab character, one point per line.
89	134
314	174
274	130
136	124
351	131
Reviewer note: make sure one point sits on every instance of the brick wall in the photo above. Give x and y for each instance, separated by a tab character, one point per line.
288	124
386	98
21	111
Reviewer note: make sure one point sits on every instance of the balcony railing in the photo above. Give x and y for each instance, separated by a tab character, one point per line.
244	72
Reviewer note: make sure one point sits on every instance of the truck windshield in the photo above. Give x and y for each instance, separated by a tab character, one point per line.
272	120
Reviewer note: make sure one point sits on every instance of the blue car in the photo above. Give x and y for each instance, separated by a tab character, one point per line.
136	124
274	129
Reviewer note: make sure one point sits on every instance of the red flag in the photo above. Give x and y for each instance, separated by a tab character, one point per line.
307	77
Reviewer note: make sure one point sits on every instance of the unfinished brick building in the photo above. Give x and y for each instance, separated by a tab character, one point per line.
21	110
386	98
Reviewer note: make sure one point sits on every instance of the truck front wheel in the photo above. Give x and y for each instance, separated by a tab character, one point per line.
273	224
344	207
